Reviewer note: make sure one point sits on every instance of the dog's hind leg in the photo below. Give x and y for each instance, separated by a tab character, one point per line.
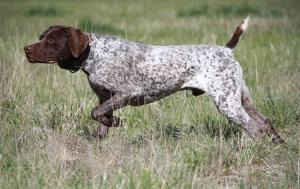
226	91
232	99
230	106
257	116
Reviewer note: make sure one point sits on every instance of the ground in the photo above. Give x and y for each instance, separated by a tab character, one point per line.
47	135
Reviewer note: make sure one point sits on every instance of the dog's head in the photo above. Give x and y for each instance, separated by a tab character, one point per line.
57	44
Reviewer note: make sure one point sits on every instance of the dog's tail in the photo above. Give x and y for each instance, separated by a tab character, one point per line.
238	33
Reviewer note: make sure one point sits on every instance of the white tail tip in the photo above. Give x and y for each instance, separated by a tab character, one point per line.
244	24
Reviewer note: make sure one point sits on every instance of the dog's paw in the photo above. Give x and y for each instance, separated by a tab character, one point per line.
102	131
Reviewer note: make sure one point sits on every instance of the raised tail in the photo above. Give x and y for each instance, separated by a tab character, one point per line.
238	33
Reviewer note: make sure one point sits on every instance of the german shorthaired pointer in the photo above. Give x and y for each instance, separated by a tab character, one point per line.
132	73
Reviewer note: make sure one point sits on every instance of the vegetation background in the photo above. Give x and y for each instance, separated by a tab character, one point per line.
46	133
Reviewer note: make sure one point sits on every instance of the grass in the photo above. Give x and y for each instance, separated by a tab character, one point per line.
42	11
228	10
87	24
47	135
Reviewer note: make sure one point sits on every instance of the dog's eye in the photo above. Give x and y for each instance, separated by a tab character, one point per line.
51	41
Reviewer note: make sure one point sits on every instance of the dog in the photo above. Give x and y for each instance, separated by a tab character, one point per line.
123	72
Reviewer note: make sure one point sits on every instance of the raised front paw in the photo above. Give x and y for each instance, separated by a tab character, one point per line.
94	113
115	121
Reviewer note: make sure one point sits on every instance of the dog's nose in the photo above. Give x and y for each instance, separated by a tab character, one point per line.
27	49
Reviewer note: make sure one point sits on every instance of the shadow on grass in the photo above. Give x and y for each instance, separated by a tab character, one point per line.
209	127
87	24
215	129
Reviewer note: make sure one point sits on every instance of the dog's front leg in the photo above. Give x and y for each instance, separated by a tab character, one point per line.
104	114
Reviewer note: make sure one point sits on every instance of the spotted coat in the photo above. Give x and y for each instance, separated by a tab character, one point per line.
136	73
153	72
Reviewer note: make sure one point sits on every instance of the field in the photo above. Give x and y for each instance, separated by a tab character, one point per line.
47	137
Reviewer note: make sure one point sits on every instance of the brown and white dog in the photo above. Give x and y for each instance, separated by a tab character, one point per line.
123	72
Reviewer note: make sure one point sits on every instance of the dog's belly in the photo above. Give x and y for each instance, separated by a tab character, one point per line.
137	83
148	98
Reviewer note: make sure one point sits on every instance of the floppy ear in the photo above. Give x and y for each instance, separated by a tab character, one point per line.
78	41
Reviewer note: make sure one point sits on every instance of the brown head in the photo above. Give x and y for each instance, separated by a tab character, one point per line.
66	46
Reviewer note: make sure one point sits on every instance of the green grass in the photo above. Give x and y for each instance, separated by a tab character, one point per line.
42	11
87	24
228	10
47	135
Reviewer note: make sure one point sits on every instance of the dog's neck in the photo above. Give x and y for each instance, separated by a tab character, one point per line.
75	64
96	44
90	58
